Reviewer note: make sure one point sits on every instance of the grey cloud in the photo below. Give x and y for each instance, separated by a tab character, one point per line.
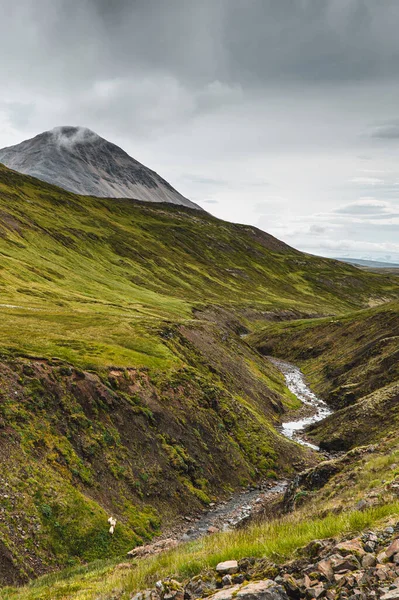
386	132
238	102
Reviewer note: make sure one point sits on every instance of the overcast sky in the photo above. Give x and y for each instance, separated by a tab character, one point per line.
279	113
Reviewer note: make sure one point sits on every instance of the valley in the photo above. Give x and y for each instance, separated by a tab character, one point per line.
136	383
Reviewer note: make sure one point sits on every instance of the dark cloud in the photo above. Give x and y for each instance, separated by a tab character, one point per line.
257	106
389	131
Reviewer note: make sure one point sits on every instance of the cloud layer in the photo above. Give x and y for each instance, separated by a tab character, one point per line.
283	114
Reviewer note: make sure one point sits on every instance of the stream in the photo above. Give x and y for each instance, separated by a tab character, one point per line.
296	383
243	505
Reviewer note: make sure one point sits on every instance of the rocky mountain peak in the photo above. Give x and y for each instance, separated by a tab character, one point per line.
80	161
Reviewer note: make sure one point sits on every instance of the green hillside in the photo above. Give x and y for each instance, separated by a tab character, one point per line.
127	385
90	280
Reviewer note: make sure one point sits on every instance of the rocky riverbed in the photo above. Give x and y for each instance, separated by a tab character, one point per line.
248	503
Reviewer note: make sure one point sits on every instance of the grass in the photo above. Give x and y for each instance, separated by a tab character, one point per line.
124	289
95	279
277	540
345	357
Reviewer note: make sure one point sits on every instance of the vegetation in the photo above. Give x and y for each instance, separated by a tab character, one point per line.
276	540
90	280
128	389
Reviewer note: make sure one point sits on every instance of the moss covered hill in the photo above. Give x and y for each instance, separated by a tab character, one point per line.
126	387
353	362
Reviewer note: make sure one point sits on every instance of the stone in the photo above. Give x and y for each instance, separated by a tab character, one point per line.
262	590
226	593
369	560
227	580
370	546
198	587
391	595
227	567
154	548
169	589
290	583
343	565
393	548
212	529
382	557
316	591
353	547
325	568
146	595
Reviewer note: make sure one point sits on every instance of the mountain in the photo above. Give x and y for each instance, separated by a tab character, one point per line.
80	161
363	262
130	386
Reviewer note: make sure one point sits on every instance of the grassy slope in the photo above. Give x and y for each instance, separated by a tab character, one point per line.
110	285
345	357
94	278
352	361
327	513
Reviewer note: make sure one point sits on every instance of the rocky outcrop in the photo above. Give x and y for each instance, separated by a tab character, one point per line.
361	568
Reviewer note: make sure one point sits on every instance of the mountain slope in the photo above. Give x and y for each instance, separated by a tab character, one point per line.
126	387
80	161
352	361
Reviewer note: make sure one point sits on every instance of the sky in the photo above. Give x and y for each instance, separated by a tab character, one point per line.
283	114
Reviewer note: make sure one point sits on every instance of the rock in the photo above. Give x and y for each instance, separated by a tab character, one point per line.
382	557
316	591
169	589
369	560
154	548
343	565
393	548
290	584
315	548
354	547
227	567
370	546
262	590
146	595
391	595
198	587
226	593
212	529
227	580
325	568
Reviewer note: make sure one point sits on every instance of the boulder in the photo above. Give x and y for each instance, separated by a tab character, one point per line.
343	565
316	591
391	595
228	567
354	547
369	560
326	569
262	590
393	548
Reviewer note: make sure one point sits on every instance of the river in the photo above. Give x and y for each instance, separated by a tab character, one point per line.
242	505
